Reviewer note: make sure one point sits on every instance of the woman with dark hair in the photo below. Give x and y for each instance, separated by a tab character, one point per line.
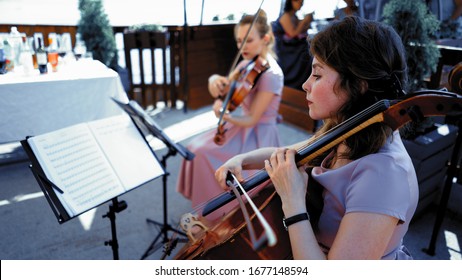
292	47
369	186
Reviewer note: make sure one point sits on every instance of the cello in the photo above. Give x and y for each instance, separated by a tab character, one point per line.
228	239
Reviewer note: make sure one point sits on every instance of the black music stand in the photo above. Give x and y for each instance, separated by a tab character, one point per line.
141	117
453	169
116	207
52	191
58	209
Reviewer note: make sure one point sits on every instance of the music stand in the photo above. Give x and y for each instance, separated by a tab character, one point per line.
141	117
451	173
58	209
66	205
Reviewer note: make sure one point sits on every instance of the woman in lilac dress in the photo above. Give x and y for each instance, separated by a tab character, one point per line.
255	126
369	186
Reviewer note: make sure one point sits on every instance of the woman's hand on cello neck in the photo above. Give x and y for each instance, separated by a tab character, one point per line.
288	180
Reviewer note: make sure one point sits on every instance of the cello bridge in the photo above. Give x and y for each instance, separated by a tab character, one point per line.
191	225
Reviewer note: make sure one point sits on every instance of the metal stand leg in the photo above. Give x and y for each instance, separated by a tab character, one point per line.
164	227
116	207
450	174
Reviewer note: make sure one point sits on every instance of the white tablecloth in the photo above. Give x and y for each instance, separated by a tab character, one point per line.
79	92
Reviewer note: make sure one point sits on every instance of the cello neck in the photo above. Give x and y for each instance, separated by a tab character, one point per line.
394	113
332	137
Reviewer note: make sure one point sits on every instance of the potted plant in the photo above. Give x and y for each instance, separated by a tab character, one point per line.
417	28
429	142
96	31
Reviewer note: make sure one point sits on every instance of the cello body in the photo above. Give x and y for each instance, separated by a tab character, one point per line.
229	239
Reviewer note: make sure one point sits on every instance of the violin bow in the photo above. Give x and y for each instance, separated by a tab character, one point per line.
239	52
224	108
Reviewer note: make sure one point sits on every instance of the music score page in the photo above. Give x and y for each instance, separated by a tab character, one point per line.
95	162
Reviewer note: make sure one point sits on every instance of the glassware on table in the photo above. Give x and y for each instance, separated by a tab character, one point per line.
53	56
64	44
42	57
88	55
53	60
2	58
80	48
33	48
25	57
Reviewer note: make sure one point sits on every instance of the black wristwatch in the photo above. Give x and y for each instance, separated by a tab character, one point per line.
294	219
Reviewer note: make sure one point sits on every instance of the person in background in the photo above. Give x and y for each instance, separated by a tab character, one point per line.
352	9
449	13
292	46
369	186
253	126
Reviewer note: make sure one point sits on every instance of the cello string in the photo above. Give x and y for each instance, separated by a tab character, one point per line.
312	141
319	138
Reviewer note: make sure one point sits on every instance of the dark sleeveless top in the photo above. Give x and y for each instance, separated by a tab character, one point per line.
293	56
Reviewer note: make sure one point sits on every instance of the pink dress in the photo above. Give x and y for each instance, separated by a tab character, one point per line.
196	180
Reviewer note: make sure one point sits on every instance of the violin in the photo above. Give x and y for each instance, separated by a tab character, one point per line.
242	84
238	89
228	238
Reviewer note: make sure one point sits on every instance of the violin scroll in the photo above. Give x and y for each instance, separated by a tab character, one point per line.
220	137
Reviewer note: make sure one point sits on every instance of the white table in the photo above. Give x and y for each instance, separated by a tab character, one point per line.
79	92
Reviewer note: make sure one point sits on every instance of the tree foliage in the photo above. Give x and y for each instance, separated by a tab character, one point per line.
417	27
96	31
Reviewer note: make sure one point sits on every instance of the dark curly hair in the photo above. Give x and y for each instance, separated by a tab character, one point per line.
369	57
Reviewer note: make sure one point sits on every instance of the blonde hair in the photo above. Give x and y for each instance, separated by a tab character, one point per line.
262	27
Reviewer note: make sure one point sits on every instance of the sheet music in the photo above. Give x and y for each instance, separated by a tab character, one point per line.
130	156
95	162
72	160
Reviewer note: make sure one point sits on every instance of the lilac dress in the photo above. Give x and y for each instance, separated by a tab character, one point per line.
384	183
196	180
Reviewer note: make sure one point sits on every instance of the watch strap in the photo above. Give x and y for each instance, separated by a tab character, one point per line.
295	219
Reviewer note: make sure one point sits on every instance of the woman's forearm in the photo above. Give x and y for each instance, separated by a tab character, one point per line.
256	159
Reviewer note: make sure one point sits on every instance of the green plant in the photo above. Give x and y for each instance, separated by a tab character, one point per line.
147	27
449	29
417	28
96	31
